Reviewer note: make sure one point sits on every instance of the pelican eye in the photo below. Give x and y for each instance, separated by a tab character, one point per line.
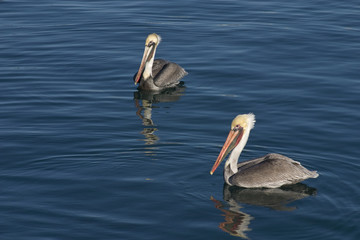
237	127
150	43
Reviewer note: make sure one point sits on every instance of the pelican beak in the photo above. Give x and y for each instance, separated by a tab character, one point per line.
231	142
148	54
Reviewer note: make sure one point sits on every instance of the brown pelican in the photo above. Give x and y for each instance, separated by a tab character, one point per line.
270	171
157	74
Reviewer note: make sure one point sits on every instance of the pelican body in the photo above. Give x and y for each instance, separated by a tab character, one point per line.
158	74
270	171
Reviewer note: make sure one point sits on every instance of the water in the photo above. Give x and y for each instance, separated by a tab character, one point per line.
84	155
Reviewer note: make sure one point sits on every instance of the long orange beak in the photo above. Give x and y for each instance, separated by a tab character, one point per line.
142	65
148	55
231	142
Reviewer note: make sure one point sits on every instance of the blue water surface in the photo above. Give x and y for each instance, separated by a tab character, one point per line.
85	155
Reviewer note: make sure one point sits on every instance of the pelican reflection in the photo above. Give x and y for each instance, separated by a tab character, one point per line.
237	222
144	102
274	198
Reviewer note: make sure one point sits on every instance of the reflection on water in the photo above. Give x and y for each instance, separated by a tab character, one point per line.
274	198
149	131
168	95
145	107
144	110
237	222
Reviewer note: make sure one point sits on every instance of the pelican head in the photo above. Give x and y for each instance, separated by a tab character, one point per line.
246	121
151	43
238	135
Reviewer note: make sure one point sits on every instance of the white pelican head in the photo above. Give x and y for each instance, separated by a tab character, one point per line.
238	136
151	43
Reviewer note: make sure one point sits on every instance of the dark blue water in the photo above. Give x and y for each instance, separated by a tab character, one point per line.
84	155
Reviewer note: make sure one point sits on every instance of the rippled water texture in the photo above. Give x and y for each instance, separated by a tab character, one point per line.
84	155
